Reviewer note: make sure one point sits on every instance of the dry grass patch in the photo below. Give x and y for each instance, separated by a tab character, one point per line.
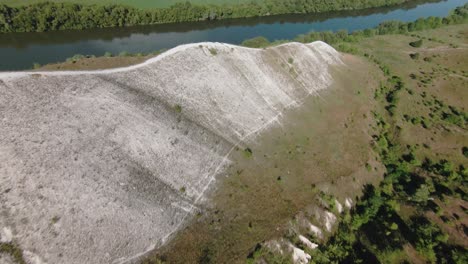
322	145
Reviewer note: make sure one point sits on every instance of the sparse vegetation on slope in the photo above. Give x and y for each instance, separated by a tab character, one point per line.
13	251
418	212
284	170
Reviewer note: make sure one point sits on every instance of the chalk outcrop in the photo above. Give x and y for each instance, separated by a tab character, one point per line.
102	166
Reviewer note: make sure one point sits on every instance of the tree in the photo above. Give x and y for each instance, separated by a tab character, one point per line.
422	194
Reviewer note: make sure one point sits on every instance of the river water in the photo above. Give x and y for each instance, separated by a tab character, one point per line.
19	51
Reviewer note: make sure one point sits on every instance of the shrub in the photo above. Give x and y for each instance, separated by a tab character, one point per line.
248	152
15	252
108	54
124	54
416	120
422	194
347	48
465	151
213	51
391	109
258	42
416	44
414	56
75	58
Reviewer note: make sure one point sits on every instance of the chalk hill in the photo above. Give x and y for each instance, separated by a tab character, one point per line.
98	167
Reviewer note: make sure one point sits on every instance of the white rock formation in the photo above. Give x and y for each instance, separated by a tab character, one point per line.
339	206
92	163
299	256
348	203
316	231
6	236
307	242
330	220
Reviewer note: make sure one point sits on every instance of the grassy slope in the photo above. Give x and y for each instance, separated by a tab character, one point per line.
446	71
290	164
95	63
441	73
262	212
134	3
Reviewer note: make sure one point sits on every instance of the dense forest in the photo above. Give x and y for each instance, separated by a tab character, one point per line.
59	16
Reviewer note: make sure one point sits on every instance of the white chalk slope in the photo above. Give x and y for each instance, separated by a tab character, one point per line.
99	167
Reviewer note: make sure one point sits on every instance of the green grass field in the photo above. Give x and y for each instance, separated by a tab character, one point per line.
135	3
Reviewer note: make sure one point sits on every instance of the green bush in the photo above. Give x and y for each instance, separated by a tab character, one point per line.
75	58
178	108
416	44
213	51
248	152
427	59
124	54
414	56
15	252
258	42
465	151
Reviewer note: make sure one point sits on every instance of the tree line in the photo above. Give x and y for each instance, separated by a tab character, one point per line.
47	16
458	15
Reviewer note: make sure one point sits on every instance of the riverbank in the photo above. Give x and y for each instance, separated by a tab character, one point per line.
340	40
49	16
19	51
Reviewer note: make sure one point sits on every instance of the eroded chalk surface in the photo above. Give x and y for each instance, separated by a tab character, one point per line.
99	167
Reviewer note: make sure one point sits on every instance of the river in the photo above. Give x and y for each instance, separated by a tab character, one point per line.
18	51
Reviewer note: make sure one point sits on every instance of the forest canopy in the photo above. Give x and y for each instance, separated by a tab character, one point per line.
49	16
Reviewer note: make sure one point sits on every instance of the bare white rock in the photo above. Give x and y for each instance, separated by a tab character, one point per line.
339	206
348	203
92	163
6	236
32	258
307	242
299	256
6	259
316	231
330	220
